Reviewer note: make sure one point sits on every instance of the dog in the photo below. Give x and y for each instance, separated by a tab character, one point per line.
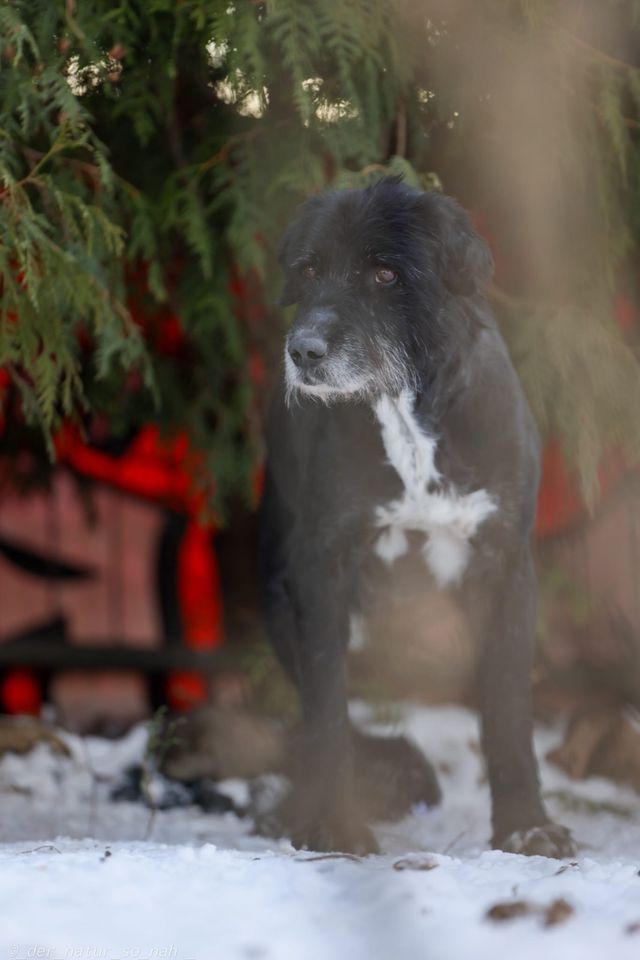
399	428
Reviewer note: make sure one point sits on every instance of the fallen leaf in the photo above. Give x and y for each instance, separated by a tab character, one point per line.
509	910
415	863
557	912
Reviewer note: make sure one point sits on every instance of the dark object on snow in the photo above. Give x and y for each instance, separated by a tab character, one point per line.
165	794
208	797
399	432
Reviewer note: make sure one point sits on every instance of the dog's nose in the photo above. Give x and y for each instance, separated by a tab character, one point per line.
306	348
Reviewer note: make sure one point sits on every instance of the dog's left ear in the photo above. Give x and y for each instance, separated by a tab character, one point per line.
463	258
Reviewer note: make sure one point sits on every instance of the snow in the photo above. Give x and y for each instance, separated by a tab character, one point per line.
78	879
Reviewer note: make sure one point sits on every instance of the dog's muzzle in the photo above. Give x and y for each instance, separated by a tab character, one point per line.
317	360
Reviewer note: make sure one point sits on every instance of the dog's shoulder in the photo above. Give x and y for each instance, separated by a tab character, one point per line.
487	434
488	408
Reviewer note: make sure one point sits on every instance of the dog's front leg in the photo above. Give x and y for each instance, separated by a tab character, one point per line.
506	611
324	814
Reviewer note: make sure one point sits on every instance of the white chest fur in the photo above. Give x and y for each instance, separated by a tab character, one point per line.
448	519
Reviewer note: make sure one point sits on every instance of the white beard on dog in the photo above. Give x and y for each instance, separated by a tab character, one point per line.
448	519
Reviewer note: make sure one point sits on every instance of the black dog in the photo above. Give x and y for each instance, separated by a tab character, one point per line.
399	427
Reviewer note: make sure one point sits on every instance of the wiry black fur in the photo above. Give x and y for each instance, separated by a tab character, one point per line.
327	473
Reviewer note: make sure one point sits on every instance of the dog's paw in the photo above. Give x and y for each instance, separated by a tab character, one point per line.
547	840
280	812
328	837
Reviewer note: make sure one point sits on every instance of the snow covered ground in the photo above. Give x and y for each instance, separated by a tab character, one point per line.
77	879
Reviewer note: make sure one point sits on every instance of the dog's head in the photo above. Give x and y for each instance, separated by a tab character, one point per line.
370	271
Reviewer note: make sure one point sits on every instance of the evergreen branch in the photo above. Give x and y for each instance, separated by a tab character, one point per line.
235	139
38	157
595	53
628	122
104	178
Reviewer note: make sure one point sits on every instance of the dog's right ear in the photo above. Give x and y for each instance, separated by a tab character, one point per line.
462	256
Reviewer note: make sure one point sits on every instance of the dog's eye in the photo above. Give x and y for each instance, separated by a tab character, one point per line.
309	271
386	276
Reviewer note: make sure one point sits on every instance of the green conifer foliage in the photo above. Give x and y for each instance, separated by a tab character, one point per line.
172	140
